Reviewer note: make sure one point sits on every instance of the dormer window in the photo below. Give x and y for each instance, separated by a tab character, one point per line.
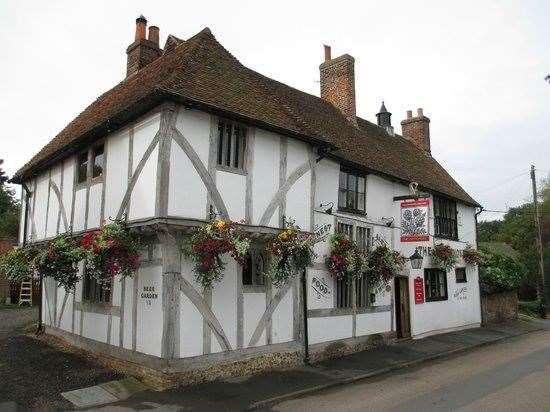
231	146
351	192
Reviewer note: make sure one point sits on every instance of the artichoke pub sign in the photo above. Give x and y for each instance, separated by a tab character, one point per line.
414	220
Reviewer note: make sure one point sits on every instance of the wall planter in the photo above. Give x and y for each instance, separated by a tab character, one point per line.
471	256
111	251
290	252
444	256
383	265
208	243
344	259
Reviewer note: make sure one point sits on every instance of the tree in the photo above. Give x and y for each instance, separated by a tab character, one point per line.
488	230
9	208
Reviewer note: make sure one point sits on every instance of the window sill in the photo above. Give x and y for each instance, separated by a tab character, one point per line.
428	300
352	211
254	288
231	170
99	308
441	237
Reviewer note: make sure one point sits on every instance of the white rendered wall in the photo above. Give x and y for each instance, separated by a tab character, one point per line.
265	174
149	311
67	192
329	328
254	305
191	320
94	209
224	304
142	203
187	193
116	178
53	207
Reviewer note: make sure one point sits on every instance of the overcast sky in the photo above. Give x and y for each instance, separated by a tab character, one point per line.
477	68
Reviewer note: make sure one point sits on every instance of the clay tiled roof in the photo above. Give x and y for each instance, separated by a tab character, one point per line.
201	73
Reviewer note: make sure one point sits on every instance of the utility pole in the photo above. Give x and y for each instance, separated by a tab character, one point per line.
540	284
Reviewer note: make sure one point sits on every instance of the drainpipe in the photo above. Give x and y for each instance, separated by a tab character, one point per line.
304	306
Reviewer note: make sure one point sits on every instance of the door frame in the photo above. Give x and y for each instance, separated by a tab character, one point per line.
402	319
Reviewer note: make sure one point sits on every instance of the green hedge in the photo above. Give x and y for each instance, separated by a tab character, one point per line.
499	273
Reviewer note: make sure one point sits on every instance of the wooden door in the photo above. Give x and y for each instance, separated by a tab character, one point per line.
402	307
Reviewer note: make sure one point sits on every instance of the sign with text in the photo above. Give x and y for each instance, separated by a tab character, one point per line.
414	220
418	290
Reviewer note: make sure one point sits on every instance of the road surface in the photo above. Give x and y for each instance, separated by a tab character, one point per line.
510	376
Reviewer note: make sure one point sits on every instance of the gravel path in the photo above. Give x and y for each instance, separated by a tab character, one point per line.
33	373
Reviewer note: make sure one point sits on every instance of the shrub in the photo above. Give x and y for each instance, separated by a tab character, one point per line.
499	273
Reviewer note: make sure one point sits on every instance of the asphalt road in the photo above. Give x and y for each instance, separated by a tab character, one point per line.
510	376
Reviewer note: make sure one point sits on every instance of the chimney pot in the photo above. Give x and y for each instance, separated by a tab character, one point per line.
142	51
327	53
420	112
154	35
141	24
409	114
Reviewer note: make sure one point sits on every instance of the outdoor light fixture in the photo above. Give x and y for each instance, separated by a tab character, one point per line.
416	260
329	210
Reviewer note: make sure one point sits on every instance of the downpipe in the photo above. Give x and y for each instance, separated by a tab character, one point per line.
304	307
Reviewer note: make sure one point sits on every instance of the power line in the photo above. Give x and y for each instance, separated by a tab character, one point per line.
501	183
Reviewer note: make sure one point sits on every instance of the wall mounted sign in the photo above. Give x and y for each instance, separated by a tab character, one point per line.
414	220
323	231
461	293
321	288
149	294
418	290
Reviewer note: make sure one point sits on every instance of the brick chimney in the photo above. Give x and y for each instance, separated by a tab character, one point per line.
338	83
417	129
142	51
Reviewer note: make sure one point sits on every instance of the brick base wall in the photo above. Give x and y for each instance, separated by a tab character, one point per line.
499	307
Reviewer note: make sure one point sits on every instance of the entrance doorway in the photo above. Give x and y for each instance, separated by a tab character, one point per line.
402	307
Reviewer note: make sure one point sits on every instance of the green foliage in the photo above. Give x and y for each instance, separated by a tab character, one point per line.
488	230
17	264
499	273
59	260
9	208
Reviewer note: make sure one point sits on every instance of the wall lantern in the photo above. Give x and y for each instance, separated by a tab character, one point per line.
329	210
416	260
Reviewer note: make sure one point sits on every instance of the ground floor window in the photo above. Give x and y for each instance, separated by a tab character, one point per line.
436	284
95	291
254	268
361	235
460	274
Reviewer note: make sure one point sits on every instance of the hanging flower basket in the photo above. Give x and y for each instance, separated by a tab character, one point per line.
344	259
444	256
17	264
291	251
208	243
383	265
59	261
111	251
471	256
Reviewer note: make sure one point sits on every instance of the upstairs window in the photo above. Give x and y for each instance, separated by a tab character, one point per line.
82	172
445	220
231	146
351	192
98	159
